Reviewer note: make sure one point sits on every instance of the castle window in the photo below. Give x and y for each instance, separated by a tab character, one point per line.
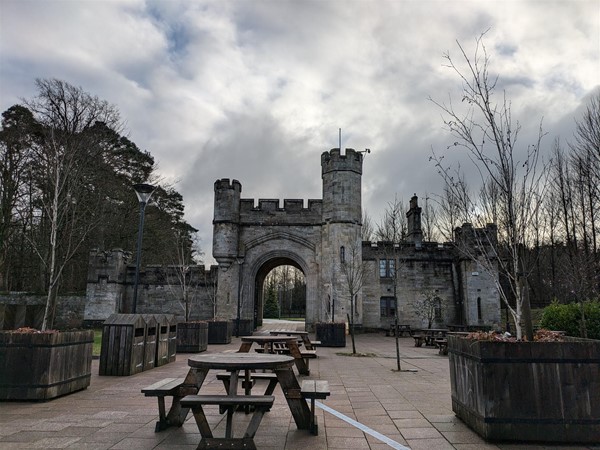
478	308
342	254
387	306
387	268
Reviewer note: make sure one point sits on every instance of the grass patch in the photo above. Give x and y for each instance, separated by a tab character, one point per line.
357	354
97	342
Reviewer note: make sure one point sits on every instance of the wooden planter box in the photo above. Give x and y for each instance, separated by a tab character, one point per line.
331	334
527	391
43	366
219	331
192	337
246	327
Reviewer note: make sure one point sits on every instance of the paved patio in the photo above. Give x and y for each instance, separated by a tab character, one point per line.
384	408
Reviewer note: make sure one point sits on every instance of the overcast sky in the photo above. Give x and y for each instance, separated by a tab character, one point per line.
257	90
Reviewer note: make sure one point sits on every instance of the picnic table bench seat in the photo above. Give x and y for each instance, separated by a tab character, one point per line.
261	404
170	387
312	390
269	376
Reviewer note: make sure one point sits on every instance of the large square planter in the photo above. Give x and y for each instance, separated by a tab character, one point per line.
192	337
527	391
331	334
219	331
246	327
42	366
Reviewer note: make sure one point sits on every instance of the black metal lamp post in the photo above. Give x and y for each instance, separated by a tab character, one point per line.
143	192
239	261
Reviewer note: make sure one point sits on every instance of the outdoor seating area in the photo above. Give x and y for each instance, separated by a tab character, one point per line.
345	403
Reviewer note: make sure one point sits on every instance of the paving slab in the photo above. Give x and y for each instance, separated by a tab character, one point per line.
372	406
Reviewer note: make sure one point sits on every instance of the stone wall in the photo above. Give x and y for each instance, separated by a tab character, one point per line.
26	310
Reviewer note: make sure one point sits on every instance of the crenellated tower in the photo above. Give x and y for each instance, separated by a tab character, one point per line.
226	221
226	246
340	232
342	175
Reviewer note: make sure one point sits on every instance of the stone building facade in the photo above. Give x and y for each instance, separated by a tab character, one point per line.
320	238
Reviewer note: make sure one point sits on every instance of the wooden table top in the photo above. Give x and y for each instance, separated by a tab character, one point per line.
290	332
239	361
266	339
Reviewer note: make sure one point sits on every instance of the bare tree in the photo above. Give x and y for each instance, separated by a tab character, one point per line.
453	208
428	307
180	279
367	232
485	130
393	229
430	220
354	271
394	225
69	147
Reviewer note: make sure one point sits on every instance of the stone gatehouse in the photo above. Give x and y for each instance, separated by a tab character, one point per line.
250	238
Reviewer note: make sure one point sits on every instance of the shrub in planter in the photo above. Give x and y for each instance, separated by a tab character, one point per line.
527	391
192	337
44	365
331	334
219	331
567	318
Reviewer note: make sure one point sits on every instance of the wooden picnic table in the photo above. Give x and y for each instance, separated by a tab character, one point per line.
234	363
400	329
268	342
308	344
429	335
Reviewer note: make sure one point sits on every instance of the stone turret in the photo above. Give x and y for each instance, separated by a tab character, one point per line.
106	282
340	232
341	176
226	221
478	269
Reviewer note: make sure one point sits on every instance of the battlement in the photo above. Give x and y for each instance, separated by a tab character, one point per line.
391	247
108	265
269	211
468	236
333	160
225	183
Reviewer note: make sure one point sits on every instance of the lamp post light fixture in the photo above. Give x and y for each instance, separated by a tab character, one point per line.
143	192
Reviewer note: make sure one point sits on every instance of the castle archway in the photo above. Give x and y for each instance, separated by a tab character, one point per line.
283	282
265	263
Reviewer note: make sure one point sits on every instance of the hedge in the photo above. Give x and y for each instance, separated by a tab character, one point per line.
567	318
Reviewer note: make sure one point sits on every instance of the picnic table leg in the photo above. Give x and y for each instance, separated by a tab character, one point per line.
301	363
233	382
291	390
177	415
201	421
245	347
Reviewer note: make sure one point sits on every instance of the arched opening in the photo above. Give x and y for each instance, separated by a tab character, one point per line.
280	290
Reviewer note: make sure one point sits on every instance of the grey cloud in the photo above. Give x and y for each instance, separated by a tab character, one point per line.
257	90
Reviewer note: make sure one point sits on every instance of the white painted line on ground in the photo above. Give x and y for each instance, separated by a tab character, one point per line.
362	427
